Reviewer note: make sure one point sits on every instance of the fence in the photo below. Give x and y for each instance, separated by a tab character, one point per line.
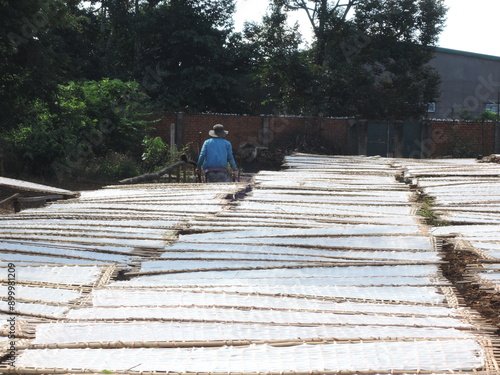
432	138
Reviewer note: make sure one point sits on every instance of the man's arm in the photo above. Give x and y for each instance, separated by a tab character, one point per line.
203	155
230	157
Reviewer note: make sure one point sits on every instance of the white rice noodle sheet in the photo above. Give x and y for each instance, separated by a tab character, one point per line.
464	355
138	331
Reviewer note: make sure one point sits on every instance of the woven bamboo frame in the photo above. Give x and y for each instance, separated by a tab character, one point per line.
289	266
299	296
42	371
449	293
235	343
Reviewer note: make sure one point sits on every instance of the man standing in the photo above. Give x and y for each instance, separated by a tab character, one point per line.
215	154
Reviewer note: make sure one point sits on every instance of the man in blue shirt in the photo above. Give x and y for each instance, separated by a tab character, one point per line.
215	155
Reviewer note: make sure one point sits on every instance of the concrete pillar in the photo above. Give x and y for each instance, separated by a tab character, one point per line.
426	148
362	130
352	137
266	120
399	139
172	135
497	138
179	129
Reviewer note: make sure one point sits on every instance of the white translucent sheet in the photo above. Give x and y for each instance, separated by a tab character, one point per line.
468	230
187	207
381	356
177	265
69	227
37	309
339	230
44	260
270	249
367	242
82	239
466	199
58	252
76	275
165	297
391	293
388	293
340	199
469	217
156	189
325	209
324	217
177	331
474	208
483	189
492	276
258	316
495	254
329	195
315	255
91	222
302	272
77	249
309	281
42	294
161	199
318	176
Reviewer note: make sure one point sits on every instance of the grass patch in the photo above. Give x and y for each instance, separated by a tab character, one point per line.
426	211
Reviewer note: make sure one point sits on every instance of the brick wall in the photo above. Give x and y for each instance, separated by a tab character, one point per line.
442	138
452	137
261	131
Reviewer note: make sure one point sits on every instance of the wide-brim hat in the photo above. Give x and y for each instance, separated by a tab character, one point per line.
218	131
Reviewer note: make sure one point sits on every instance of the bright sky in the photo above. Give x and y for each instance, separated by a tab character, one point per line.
471	26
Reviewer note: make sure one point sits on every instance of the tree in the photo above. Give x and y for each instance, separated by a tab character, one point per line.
326	18
280	69
33	60
398	39
90	120
178	50
370	56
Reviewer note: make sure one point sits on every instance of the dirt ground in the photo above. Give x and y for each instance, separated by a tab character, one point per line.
483	301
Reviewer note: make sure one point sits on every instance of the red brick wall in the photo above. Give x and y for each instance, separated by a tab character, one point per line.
449	137
160	124
249	129
241	128
443	137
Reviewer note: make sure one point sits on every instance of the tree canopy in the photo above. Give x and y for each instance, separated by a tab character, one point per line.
368	59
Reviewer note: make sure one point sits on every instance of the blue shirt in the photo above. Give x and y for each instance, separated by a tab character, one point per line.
216	153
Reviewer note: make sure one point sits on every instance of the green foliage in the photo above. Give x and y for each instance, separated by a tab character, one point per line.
59	110
179	51
279	67
110	168
156	153
427	211
90	120
465	115
34	60
487	115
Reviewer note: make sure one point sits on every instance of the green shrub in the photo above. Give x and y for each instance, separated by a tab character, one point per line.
90	120
110	168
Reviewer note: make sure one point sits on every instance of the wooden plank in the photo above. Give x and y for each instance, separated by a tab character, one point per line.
30	186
